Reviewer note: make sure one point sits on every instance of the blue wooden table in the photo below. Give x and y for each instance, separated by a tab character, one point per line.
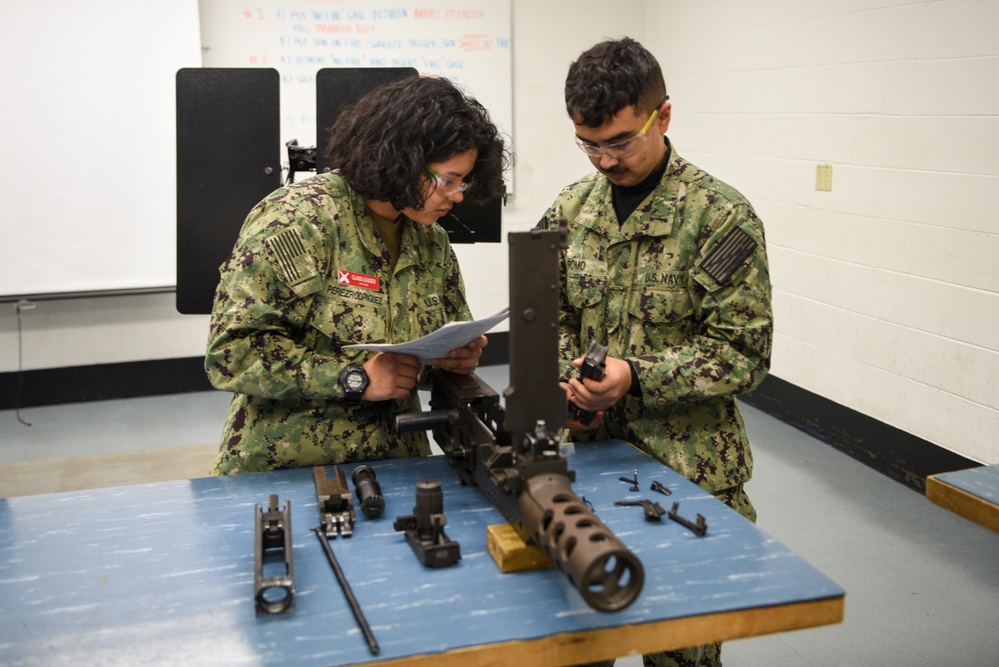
163	573
972	493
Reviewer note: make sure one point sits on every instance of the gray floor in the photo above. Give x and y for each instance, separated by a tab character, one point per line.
922	584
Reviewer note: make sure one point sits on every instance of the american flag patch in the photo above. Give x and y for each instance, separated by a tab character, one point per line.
728	255
293	262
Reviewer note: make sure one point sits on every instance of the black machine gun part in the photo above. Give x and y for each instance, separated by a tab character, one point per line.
699	528
511	453
633	480
653	510
661	488
273	593
425	527
348	593
369	491
300	158
336	505
594	362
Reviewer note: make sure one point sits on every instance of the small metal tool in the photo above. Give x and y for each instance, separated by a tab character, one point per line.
700	528
658	486
653	510
632	480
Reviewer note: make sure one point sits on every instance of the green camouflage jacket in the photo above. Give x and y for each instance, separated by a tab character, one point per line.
682	290
310	274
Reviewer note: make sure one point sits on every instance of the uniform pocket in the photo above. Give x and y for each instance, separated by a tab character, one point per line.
346	322
665	314
584	291
427	315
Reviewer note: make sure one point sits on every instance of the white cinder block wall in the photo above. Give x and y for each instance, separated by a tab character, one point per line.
887	287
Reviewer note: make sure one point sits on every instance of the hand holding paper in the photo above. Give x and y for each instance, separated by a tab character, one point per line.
437	344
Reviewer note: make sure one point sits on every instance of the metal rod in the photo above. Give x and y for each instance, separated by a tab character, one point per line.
347	592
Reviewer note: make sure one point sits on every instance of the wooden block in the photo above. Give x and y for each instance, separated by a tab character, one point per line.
974	508
511	553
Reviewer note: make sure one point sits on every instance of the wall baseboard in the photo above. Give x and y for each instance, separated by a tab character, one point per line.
102	382
899	455
891	451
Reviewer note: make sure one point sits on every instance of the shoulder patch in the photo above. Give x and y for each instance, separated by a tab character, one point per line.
293	262
728	255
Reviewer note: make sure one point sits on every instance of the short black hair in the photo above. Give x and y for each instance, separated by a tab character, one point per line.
383	143
610	76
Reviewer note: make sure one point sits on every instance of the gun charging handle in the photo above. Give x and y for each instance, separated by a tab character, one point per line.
594	362
369	491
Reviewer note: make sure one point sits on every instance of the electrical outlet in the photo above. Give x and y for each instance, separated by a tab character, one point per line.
823	177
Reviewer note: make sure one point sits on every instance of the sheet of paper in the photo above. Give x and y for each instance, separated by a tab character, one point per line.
437	344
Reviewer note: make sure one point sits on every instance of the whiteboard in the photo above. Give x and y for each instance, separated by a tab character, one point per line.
87	135
466	41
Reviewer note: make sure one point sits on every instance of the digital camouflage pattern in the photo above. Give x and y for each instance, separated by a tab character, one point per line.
682	290
310	274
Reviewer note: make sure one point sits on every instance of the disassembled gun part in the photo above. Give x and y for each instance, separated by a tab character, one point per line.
362	622
273	593
632	480
653	510
509	453
700	528
658	486
594	362
336	505
369	491
425	528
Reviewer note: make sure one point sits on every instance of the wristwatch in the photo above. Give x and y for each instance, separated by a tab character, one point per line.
354	381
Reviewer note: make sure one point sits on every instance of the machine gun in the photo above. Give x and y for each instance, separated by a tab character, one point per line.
513	454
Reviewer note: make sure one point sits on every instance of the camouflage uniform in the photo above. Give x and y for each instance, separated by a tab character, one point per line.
310	274
681	289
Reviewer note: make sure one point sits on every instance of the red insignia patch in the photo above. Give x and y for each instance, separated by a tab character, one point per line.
358	280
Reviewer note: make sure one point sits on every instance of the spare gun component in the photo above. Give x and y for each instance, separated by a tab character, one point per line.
425	527
336	505
658	486
633	480
700	528
362	622
274	593
512	454
369	491
653	510
594	362
300	158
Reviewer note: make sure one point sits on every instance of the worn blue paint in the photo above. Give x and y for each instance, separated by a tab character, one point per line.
982	481
163	572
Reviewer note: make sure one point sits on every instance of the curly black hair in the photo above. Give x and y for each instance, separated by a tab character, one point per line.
610	76
383	143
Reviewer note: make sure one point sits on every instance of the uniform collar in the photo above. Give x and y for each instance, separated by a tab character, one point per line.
653	217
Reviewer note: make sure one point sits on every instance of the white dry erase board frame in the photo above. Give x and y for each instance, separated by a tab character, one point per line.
89	132
88	144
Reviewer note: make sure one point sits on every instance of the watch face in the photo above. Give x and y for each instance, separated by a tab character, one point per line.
354	381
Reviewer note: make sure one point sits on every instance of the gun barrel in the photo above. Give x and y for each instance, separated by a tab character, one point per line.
605	572
414	422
